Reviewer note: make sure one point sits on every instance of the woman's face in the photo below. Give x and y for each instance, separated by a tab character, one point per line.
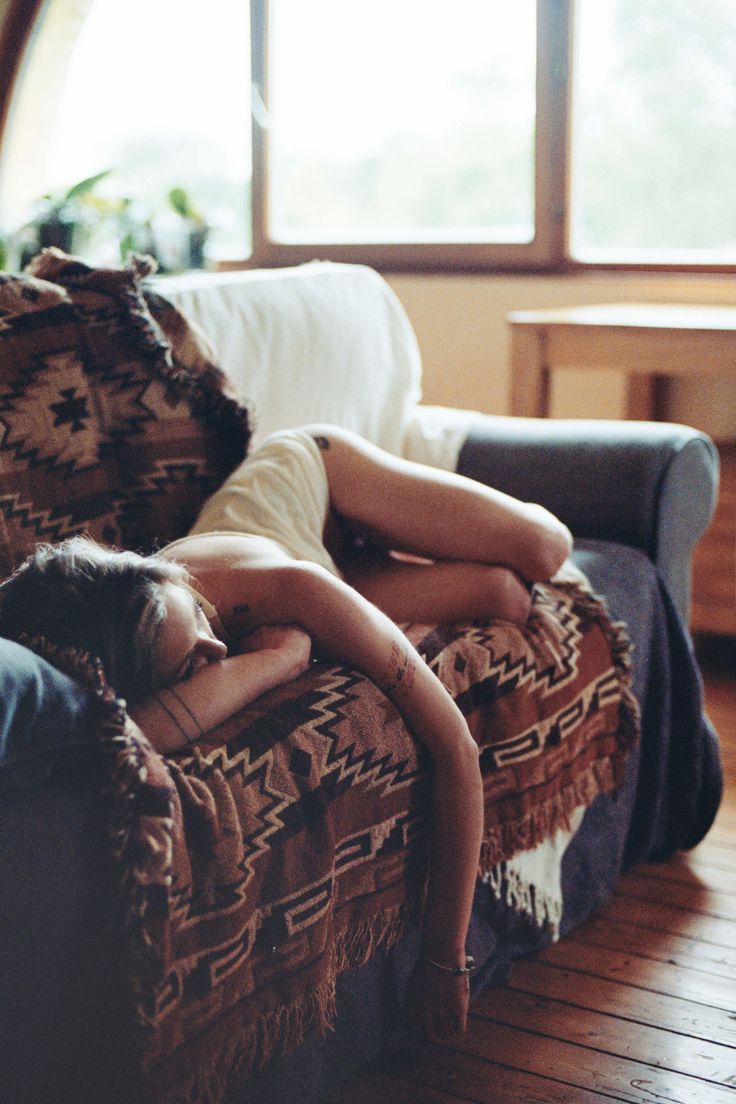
185	640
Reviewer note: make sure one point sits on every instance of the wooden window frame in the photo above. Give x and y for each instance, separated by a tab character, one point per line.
547	249
16	28
548	252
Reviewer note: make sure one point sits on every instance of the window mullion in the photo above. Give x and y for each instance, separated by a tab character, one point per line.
554	74
259	36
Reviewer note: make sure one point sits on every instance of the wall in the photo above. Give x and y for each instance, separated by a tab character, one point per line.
460	322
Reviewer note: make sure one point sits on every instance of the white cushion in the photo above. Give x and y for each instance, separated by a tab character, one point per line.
435	435
320	342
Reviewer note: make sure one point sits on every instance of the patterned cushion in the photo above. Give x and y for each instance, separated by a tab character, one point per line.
22	296
114	420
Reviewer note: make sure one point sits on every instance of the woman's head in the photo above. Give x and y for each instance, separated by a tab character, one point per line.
112	604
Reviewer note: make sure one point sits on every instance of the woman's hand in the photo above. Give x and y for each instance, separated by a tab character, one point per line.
437	1003
289	641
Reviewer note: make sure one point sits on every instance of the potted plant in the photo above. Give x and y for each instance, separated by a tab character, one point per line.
196	228
58	217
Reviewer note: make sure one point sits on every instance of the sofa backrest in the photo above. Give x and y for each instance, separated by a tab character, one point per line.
320	342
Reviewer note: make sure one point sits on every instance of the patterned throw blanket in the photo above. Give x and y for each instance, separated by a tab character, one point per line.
293	842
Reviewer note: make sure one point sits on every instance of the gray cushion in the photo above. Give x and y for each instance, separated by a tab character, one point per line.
42	711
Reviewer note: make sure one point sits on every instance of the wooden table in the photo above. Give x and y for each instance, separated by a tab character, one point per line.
649	343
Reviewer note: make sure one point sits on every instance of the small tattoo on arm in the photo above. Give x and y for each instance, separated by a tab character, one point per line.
173	716
402	668
186	708
187	714
242	607
322	443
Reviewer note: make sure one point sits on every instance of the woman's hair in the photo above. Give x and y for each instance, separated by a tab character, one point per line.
99	600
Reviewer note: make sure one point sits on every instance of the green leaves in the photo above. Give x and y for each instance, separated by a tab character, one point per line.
83	187
182	204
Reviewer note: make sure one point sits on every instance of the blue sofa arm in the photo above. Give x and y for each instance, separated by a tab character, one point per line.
651	485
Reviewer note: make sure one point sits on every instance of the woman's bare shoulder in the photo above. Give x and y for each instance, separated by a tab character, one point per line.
234	571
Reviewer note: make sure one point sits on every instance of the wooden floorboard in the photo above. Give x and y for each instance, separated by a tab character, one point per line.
684	980
637	1005
631	1000
609	1033
660	947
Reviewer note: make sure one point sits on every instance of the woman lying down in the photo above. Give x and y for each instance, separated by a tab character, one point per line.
270	572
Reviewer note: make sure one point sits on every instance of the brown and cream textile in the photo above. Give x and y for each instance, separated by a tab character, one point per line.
295	840
292	842
114	419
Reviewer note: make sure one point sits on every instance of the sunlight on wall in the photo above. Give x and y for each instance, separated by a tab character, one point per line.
24	169
460	322
147	88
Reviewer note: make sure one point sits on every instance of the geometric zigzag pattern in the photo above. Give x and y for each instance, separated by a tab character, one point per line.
301	824
112	422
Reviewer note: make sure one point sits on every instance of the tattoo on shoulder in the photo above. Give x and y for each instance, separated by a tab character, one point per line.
241	607
322	443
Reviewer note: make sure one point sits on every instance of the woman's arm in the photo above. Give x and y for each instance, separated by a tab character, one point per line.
346	626
180	714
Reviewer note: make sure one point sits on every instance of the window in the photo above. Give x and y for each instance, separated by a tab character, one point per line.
154	97
407	134
441	147
654	131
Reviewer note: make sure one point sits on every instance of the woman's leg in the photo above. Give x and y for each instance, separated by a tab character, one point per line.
444	592
414	508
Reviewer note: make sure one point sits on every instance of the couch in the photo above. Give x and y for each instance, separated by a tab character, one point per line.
138	957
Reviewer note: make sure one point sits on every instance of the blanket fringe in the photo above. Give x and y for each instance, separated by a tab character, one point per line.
201	1074
617	636
204	1075
520	895
503	841
603	776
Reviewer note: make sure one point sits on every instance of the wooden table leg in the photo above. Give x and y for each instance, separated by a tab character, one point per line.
529	373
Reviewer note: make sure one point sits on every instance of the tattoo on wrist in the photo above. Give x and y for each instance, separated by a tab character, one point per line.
174	718
322	443
172	711
186	708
